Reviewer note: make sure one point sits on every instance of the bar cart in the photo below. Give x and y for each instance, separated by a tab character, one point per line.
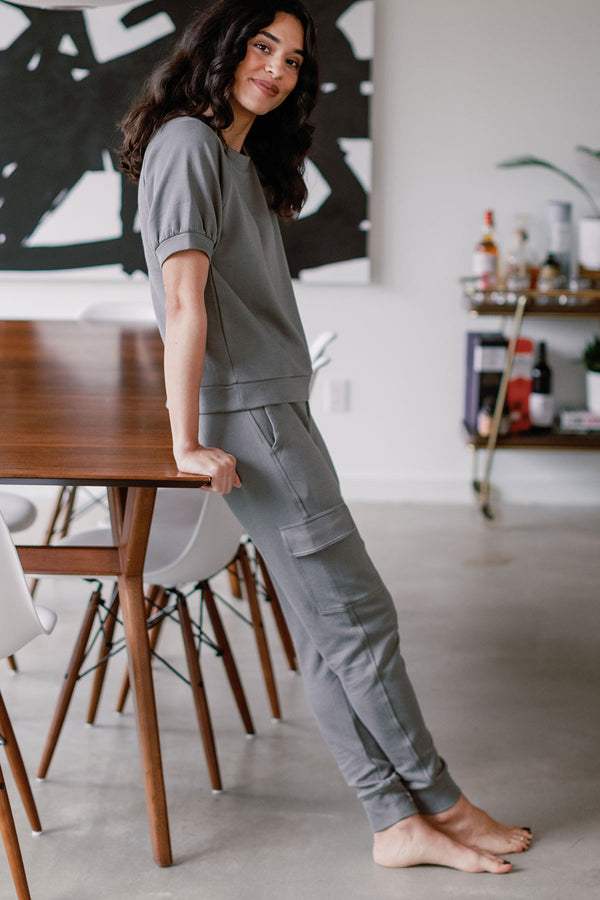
564	303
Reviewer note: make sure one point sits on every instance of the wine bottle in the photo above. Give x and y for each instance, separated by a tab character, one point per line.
485	256
541	399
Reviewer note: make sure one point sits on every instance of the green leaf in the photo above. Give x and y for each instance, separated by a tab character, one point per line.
520	161
589	151
591	355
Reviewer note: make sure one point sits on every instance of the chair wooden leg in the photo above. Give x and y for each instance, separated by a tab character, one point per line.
66	693
103	651
157	600
123	693
228	658
234	580
259	632
11	844
15	761
59	508
12	663
273	599
200	699
68	513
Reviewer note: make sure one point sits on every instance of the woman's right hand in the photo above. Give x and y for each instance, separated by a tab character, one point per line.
210	461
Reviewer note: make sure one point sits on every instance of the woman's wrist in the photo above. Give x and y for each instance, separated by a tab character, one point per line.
181	451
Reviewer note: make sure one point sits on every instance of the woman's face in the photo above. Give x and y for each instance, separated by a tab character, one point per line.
269	72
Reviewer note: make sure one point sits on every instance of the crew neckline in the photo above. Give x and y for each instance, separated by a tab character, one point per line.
240	160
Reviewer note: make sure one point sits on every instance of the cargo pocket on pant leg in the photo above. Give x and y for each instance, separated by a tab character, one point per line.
331	557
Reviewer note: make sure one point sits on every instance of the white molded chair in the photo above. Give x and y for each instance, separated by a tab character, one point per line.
20	622
19	513
317	350
193	537
121	311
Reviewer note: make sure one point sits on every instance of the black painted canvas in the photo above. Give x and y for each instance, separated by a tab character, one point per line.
66	78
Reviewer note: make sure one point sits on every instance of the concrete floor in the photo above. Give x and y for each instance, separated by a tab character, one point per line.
500	626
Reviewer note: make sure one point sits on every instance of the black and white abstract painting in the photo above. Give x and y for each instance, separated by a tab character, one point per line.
67	77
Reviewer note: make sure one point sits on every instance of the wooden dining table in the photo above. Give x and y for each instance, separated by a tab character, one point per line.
83	403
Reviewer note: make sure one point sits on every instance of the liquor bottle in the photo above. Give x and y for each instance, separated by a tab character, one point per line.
485	256
549	278
541	399
515	266
486	414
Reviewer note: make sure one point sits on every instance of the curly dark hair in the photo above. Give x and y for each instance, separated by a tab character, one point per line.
198	76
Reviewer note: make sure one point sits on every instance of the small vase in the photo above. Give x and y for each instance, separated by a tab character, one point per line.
592	390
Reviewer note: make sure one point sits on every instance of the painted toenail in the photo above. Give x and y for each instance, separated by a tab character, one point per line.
526	828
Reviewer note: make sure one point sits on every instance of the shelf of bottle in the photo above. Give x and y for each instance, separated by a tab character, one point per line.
530	440
582	304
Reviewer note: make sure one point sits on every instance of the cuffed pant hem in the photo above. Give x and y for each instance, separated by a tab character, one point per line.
439	797
385	809
395	803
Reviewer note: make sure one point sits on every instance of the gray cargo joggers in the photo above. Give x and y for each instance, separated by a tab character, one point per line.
339	612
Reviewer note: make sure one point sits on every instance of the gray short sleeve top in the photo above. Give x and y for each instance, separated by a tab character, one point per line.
197	193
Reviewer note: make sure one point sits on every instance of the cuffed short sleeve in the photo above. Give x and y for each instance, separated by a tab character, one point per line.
187	240
183	187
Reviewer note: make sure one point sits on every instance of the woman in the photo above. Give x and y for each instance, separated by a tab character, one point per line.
217	141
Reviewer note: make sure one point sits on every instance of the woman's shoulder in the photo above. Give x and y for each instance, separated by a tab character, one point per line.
183	144
188	129
185	151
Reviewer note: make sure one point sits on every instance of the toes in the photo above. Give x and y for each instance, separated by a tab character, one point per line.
500	866
522	842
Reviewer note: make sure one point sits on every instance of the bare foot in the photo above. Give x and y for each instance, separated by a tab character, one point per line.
414	842
469	825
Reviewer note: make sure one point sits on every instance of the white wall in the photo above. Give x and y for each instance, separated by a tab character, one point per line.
458	87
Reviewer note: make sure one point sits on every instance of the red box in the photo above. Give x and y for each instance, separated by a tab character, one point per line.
519	386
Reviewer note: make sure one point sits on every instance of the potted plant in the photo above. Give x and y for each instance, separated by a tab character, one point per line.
588	253
591	359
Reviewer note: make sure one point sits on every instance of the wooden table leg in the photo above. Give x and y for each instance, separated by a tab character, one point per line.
131	514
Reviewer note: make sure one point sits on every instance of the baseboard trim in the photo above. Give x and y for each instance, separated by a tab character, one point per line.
545	492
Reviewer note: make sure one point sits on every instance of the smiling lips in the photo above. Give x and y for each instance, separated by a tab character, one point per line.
267	87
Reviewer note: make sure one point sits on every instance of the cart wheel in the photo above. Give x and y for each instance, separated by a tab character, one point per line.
487	512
